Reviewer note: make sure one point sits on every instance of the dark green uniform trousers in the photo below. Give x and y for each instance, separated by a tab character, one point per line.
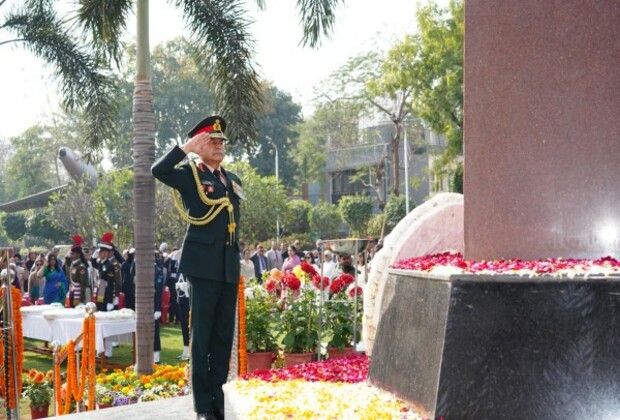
213	306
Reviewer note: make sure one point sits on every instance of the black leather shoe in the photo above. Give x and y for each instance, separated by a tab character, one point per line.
206	416
219	413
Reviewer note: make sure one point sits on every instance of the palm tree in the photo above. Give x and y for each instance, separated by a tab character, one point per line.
220	28
84	84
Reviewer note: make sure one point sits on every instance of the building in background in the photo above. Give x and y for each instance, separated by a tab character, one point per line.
351	169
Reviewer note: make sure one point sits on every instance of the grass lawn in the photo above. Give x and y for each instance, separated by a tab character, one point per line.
171	347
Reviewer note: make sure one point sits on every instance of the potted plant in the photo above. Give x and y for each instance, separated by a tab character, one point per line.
339	311
261	312
105	397
39	390
298	320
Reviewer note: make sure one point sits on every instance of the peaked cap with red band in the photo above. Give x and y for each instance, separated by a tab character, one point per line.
77	243
106	241
214	125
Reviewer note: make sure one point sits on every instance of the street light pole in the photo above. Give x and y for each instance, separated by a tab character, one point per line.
277	182
406	170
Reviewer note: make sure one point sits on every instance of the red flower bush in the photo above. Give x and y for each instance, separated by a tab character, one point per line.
270	285
337	286
347	279
308	268
352	293
291	281
316	281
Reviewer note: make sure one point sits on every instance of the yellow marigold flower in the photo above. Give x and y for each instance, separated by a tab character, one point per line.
147	385
181	382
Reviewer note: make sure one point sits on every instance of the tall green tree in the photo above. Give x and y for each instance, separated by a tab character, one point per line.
276	130
219	29
438	52
30	168
368	83
295	218
265	199
181	98
356	211
324	220
83	80
78	209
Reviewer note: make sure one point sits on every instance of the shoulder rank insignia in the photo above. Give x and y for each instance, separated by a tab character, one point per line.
238	190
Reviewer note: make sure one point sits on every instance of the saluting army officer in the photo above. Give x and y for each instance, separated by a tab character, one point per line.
210	255
108	265
79	284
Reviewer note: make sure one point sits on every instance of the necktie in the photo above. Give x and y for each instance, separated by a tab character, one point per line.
218	175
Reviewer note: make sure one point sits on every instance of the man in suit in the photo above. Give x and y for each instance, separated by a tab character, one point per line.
274	257
209	257
260	261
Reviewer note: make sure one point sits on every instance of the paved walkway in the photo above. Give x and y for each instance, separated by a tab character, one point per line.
179	408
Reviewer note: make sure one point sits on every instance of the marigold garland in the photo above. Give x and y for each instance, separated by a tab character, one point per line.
19	351
75	391
92	352
71	376
57	384
242	350
84	367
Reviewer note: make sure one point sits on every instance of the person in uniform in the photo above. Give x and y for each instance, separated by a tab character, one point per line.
108	266
158	281
78	274
210	255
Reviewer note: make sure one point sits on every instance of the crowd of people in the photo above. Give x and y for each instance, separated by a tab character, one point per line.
255	260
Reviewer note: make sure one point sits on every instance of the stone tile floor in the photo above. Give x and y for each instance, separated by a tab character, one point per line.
179	408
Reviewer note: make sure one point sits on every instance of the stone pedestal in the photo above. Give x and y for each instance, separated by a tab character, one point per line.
483	347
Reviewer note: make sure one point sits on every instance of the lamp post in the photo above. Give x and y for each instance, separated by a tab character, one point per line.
277	182
406	169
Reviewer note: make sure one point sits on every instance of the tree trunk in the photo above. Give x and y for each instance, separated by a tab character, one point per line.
144	194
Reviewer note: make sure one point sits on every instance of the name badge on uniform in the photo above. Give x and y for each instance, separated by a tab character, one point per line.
238	190
207	187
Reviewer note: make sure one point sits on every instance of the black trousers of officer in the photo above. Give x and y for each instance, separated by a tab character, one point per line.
184	318
213	307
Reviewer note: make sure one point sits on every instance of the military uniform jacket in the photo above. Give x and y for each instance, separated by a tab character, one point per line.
208	251
110	272
78	275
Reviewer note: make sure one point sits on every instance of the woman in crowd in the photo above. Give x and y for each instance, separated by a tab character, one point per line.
55	282
310	260
34	284
247	266
362	269
291	261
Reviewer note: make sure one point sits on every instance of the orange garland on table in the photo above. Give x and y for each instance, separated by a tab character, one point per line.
57	383
71	376
92	352
243	366
19	351
73	390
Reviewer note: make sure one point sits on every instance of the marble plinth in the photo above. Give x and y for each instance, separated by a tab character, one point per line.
482	347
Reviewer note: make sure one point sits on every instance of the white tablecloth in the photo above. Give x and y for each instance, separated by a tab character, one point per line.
64	329
120	330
